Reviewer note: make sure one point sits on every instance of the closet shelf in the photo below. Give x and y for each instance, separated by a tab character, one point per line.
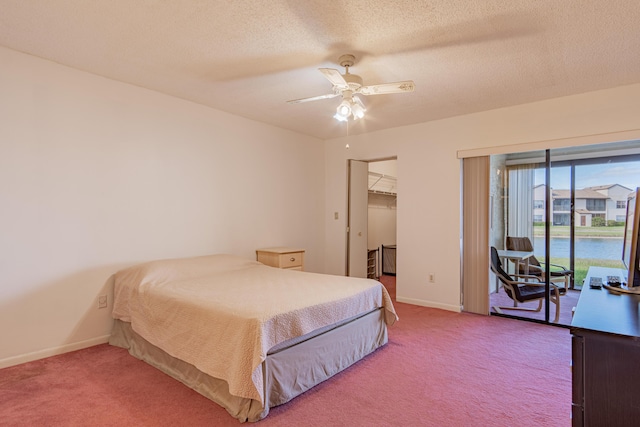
382	184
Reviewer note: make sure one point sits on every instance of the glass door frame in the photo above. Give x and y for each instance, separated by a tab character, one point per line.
548	164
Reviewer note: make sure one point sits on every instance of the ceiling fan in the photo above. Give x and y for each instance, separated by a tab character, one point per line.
349	86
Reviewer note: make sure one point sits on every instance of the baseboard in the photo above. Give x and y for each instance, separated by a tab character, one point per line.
429	304
54	351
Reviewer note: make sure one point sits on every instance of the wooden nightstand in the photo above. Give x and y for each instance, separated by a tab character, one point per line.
282	257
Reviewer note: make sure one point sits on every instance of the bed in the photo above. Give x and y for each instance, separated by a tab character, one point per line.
246	335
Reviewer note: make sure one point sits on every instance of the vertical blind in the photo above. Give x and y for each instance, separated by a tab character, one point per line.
475	235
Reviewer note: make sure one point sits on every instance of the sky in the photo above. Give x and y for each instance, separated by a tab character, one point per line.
626	174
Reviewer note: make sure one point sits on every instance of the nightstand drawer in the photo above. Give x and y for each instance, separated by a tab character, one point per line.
291	260
282	257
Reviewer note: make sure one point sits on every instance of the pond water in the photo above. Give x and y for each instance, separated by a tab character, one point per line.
586	247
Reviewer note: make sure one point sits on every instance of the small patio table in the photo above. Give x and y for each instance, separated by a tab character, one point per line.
515	257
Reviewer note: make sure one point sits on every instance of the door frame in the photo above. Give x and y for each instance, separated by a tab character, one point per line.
348	219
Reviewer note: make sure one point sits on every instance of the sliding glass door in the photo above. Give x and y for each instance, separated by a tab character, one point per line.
600	187
561	211
518	234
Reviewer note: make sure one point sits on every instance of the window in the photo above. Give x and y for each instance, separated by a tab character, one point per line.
562	219
562	205
620	218
538	204
621	204
596	204
539	218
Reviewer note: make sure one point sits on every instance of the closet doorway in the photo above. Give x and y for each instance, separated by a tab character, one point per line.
372	219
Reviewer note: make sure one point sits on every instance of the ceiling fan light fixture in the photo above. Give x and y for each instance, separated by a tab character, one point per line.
344	110
357	108
350	107
348	85
340	118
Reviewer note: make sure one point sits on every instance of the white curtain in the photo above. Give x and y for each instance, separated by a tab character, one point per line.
520	201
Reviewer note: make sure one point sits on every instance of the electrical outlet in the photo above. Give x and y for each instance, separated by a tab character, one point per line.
432	277
335	215
102	301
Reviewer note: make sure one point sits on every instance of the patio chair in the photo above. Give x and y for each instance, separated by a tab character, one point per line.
523	288
558	272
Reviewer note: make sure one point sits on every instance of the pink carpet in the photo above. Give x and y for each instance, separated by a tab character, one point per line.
439	369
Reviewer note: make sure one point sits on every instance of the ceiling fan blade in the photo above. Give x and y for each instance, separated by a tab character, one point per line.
334	77
313	98
384	88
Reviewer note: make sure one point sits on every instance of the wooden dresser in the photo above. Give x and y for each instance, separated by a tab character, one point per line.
282	257
605	347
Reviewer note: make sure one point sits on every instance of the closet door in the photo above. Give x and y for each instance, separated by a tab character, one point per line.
357	226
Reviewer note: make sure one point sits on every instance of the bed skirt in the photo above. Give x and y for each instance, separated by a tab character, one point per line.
288	372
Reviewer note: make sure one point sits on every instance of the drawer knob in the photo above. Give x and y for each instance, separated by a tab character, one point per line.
292	259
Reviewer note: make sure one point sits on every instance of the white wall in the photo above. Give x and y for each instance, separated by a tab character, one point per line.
429	177
382	218
96	175
385	167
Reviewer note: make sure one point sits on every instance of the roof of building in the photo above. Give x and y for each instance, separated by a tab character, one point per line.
580	194
607	187
601	187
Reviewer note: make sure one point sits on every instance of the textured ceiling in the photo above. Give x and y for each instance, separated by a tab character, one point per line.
249	57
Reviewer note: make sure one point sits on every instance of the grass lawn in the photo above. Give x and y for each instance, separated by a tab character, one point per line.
582	266
563	231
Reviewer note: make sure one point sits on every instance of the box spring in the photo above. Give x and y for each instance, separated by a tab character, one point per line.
289	370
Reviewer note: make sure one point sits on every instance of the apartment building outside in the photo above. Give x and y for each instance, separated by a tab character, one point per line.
608	202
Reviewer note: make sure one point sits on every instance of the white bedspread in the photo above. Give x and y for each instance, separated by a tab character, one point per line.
222	313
